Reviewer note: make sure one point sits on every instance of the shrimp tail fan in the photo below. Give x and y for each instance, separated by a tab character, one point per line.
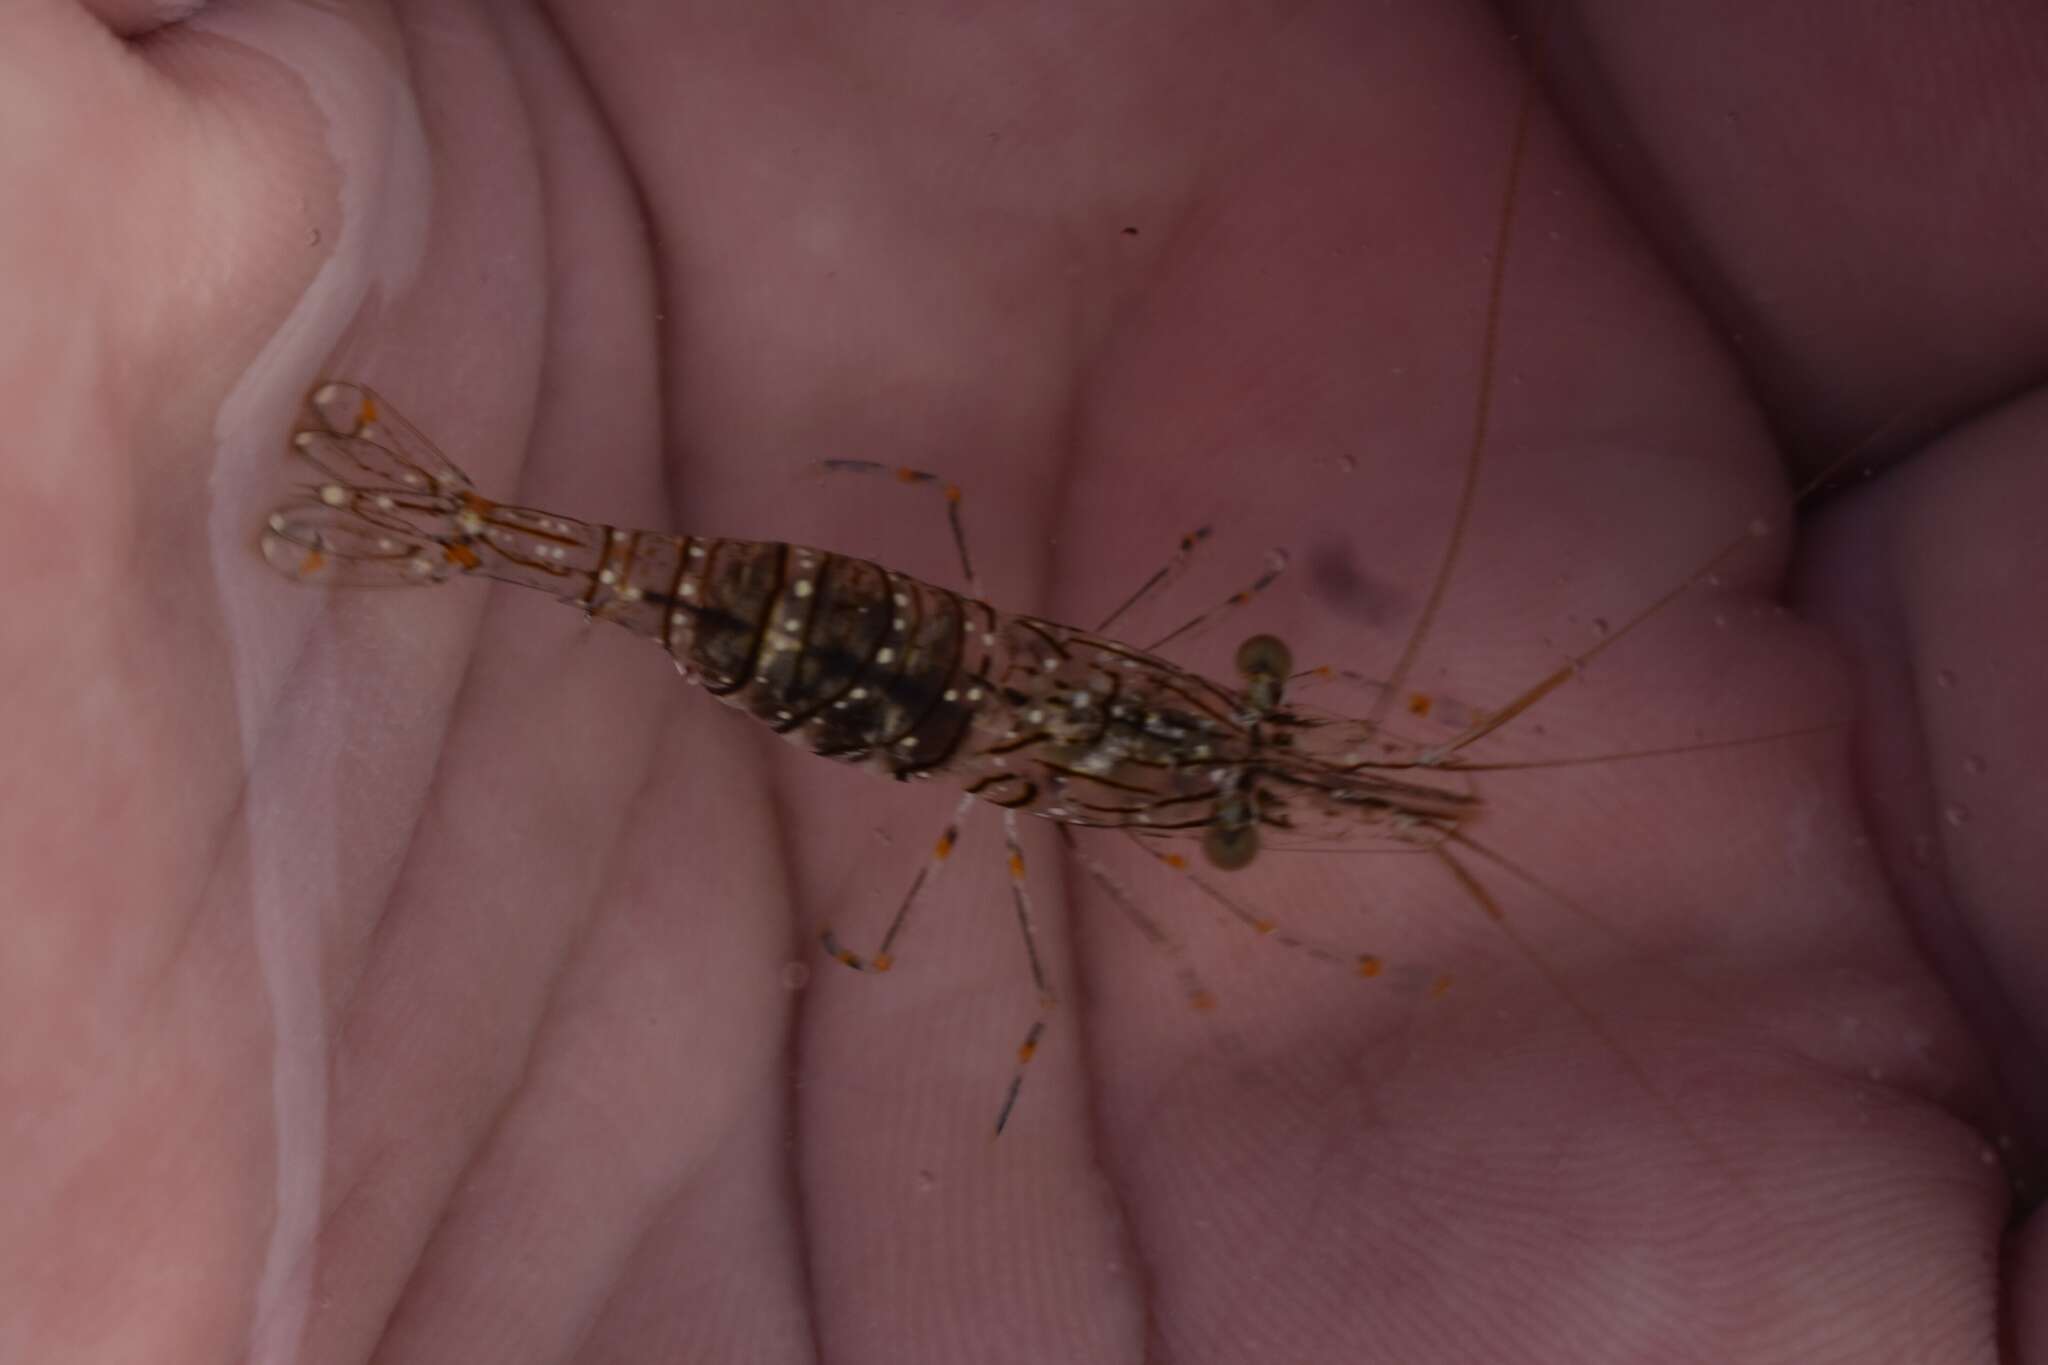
389	510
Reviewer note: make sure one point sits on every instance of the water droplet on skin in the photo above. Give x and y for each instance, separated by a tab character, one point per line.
1348	463
1721	620
926	1182
796	975
312	236
1957	816
1759	528
1600	626
1946	677
1712	580
1974	764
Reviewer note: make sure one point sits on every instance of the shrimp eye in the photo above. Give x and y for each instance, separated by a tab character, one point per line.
1264	656
1230	847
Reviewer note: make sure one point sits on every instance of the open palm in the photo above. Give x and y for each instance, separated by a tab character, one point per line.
420	975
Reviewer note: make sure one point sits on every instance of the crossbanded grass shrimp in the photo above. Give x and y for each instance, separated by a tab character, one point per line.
1638	1066
854	662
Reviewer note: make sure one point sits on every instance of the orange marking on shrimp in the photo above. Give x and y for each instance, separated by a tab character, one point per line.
460	555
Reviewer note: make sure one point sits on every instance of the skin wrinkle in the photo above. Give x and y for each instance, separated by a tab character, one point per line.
487	1136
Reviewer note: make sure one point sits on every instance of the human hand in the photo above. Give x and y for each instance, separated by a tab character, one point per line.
407	972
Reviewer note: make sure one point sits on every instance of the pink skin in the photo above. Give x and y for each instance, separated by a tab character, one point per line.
404	974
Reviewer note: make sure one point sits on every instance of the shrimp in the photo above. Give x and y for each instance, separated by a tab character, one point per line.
857	663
